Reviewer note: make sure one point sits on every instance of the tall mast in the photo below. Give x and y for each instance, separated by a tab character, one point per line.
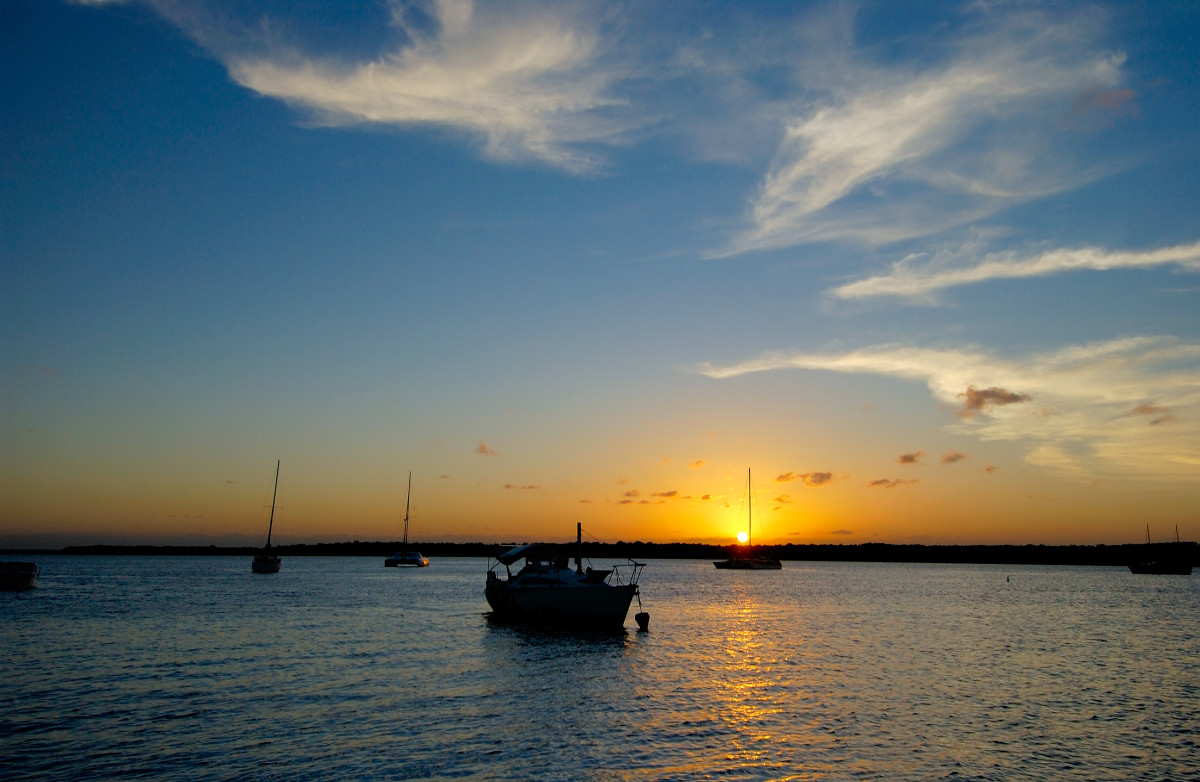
407	499
750	508
274	493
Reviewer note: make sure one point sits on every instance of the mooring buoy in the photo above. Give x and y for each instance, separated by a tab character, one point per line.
643	620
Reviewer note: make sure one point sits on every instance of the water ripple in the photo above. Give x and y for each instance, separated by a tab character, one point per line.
180	669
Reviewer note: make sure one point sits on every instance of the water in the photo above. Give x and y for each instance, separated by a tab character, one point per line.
337	668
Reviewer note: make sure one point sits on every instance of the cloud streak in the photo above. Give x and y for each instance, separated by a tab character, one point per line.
527	81
880	153
890	483
912	279
977	400
810	479
865	149
1115	408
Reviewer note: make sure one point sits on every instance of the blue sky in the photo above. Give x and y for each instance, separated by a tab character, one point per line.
591	260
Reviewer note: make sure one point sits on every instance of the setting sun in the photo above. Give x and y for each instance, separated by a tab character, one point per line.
742	537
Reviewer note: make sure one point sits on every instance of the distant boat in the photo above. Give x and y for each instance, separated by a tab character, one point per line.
18	576
265	561
406	557
1175	564
748	561
547	591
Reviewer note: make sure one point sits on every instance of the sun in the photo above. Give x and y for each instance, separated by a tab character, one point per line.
742	537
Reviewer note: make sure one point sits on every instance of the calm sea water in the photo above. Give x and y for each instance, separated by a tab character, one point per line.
337	668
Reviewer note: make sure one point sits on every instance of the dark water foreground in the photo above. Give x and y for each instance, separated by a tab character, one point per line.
337	668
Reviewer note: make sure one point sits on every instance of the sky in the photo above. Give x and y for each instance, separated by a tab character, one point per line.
928	273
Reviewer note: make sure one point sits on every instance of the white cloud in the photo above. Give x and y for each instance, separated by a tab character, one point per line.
527	83
1083	406
909	279
892	153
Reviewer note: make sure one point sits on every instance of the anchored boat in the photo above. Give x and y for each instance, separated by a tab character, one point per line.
748	561
18	576
1172	559
266	561
406	557
546	590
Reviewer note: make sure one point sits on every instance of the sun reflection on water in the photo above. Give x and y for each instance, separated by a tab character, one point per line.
750	676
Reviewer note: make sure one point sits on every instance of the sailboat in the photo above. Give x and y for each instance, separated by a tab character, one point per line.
406	557
749	561
1175	563
265	561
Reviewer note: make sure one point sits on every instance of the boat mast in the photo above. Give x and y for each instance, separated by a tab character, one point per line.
750	509
274	494
578	547
407	499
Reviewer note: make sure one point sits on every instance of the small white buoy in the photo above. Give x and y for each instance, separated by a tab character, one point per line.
643	620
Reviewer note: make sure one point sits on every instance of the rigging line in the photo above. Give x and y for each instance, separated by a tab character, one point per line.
590	535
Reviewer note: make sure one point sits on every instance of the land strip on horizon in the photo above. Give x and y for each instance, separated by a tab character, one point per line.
1030	554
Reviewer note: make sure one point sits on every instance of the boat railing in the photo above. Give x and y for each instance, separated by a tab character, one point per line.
627	573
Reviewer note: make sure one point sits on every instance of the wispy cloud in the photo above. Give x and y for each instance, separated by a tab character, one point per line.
808	478
890	483
910	458
527	79
976	400
879	152
966	123
484	450
1093	409
916	277
950	457
1157	413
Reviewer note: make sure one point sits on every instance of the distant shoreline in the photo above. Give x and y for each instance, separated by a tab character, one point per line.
1029	554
